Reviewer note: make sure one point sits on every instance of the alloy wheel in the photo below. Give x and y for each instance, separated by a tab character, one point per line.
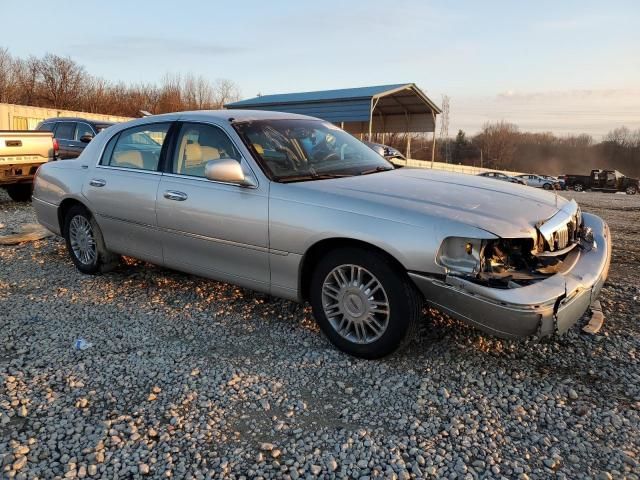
82	240
355	304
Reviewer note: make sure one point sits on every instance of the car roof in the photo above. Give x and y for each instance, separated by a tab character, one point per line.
219	115
242	115
77	119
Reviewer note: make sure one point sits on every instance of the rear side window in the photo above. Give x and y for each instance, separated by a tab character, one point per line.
66	131
47	127
137	148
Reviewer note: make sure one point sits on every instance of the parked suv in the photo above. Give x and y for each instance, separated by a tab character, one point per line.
73	134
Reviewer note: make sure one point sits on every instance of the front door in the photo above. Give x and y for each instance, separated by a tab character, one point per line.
213	229
122	191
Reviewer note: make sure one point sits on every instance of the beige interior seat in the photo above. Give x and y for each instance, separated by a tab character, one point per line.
128	158
192	155
210	153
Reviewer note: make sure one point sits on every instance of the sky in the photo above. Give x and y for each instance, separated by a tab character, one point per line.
560	66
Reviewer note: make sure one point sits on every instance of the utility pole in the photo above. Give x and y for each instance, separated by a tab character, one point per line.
444	128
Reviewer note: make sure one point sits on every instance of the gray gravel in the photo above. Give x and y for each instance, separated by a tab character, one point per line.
190	378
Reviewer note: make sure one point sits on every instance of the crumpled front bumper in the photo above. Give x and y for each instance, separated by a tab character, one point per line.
550	306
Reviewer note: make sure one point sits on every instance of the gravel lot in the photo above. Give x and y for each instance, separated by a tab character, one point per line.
190	378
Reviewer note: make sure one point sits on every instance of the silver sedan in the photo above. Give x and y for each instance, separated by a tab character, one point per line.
295	207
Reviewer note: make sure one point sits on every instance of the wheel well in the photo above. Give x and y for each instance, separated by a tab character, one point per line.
313	255
64	207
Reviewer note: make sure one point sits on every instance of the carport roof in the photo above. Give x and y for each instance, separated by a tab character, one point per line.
351	104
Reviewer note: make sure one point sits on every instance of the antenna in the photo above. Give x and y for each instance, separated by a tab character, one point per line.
444	128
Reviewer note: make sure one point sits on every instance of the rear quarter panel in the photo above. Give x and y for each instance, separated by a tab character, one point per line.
55	182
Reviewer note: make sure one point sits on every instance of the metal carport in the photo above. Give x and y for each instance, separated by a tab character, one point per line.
398	108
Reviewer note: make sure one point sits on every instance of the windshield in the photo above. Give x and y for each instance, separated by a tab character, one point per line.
299	150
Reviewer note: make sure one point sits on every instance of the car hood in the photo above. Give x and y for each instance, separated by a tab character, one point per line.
416	196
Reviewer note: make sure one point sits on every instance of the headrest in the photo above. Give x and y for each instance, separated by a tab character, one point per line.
131	157
192	154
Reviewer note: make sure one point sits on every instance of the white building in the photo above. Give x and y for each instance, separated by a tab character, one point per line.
22	117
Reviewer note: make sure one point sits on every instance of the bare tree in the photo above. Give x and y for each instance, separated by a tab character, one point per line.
6	76
498	142
623	137
225	91
62	80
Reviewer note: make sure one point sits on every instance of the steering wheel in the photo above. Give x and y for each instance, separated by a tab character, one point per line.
331	156
323	153
287	159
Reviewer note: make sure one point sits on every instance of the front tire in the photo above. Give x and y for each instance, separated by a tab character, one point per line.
20	192
578	187
547	186
632	190
364	303
85	243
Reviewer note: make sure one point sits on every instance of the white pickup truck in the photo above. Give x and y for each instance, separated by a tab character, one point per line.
21	153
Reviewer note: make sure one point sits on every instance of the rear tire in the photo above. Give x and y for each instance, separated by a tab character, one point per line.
85	243
632	190
20	192
578	187
364	303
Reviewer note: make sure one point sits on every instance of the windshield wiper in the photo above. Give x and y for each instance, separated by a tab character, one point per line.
311	176
379	168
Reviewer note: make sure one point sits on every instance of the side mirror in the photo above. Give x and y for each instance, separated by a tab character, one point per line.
227	170
86	138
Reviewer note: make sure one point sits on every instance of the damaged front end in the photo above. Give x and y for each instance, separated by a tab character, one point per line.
517	262
516	287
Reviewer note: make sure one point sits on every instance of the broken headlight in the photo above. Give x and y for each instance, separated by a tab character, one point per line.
498	263
460	254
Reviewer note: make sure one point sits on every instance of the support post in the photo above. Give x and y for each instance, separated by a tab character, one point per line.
374	102
433	146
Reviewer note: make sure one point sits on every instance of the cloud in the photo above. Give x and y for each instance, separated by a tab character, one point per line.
152	46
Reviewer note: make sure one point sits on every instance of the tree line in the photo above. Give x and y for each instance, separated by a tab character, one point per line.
502	146
54	81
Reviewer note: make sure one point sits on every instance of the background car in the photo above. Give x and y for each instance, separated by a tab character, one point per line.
558	180
503	177
72	134
540	181
390	153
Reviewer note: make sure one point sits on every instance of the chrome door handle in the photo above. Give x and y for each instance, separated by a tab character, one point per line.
174	195
97	182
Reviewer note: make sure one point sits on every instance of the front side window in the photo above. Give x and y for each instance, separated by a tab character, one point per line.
138	148
300	150
66	131
198	144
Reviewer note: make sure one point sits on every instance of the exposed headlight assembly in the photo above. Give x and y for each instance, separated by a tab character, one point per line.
460	254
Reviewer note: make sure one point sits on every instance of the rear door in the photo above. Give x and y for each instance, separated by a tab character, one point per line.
214	229
65	133
122	190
